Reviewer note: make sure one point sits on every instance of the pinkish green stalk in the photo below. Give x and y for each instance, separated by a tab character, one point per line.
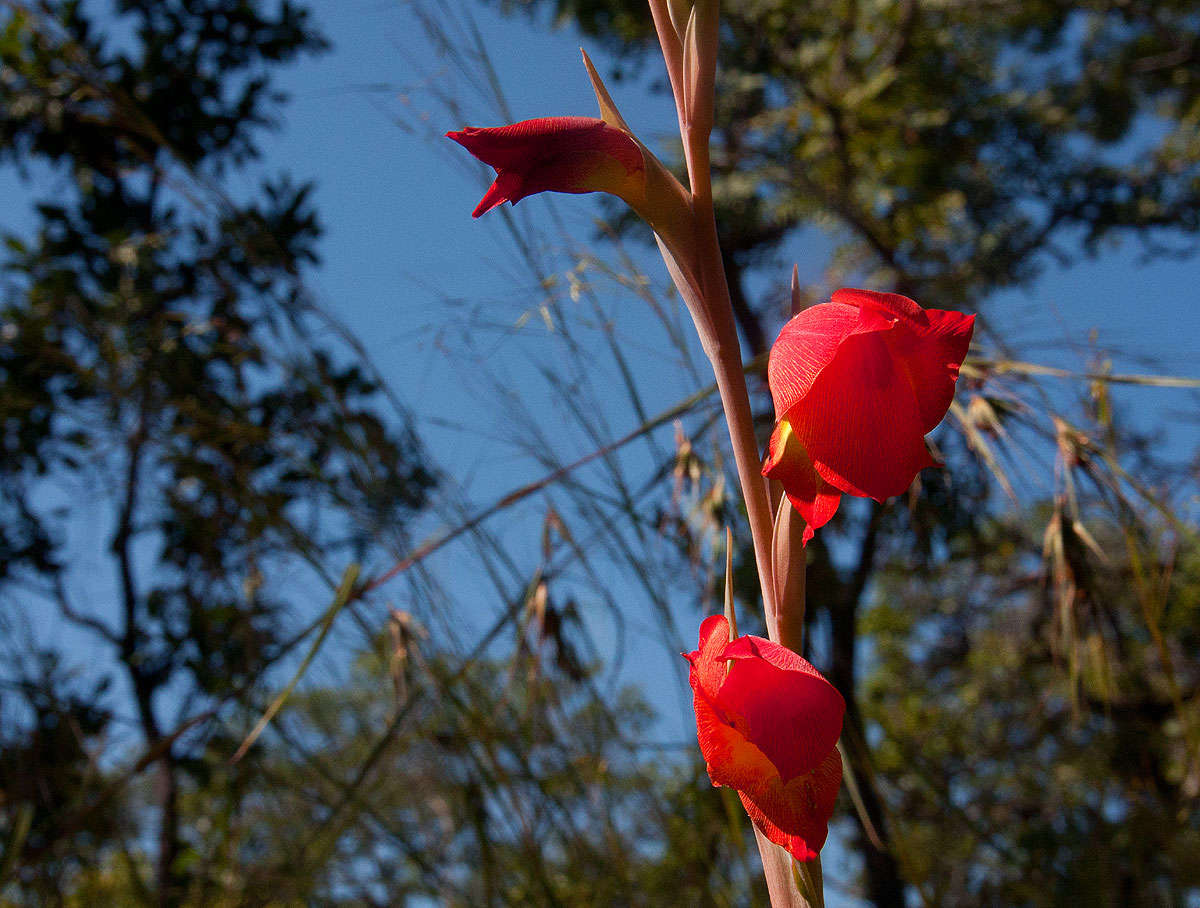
690	55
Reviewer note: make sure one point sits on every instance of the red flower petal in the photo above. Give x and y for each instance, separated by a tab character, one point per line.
707	672
890	306
931	360
781	704
860	422
860	380
731	759
559	154
768	725
796	816
506	187
806	345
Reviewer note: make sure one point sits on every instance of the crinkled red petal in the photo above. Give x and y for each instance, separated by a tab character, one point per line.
768	727
891	306
706	672
781	704
930	359
730	758
505	188
796	816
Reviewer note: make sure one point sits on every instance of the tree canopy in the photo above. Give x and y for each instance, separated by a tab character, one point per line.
184	461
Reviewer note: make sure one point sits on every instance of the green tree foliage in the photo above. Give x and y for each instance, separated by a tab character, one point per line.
480	781
1041	749
184	465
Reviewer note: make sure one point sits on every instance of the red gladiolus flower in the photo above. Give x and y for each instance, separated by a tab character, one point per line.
857	383
768	726
558	154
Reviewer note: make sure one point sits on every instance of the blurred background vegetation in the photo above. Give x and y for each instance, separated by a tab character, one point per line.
1018	639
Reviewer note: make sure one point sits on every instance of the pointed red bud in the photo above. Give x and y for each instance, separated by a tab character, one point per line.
556	154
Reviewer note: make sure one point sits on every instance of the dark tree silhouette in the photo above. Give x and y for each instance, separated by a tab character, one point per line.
169	420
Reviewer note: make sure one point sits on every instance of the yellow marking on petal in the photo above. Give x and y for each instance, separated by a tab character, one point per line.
778	454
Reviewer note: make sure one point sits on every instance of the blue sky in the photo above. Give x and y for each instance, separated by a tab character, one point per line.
397	204
402	255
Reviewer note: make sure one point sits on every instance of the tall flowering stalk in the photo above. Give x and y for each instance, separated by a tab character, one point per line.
857	383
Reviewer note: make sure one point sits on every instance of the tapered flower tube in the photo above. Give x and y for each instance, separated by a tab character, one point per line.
857	384
768	726
556	154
